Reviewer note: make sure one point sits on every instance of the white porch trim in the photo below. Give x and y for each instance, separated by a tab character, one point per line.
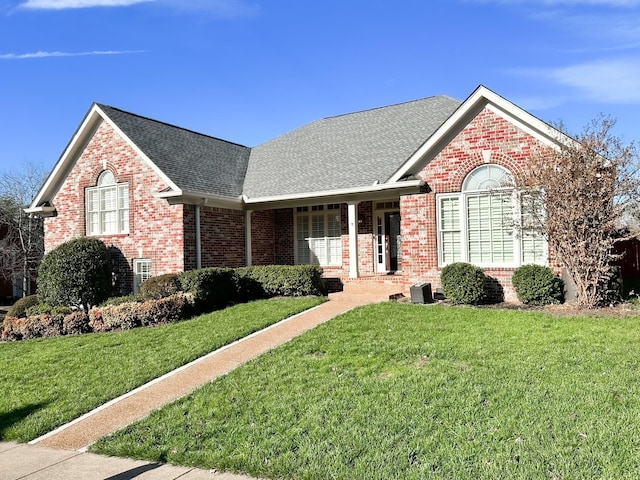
352	211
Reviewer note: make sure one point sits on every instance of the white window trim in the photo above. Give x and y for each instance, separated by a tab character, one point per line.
325	211
122	227
464	239
137	263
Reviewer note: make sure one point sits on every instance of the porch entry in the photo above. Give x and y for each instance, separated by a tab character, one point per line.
386	224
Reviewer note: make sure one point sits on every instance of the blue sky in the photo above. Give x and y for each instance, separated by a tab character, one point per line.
249	70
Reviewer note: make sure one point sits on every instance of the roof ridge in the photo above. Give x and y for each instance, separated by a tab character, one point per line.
102	105
391	105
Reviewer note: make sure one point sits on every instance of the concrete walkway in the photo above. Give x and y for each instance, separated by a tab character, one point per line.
61	454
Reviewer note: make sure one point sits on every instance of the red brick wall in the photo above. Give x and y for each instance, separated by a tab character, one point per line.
283	236
155	227
507	146
222	237
263	238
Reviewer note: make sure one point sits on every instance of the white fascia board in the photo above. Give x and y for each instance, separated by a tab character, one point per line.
482	97
74	149
62	167
355	194
176	197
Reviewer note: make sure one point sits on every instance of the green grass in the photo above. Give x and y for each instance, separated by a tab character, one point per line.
46	383
394	391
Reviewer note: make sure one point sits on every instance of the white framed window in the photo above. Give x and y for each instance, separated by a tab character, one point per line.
318	234
141	272
107	206
482	224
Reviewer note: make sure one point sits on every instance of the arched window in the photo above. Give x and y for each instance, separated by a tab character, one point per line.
481	224
107	206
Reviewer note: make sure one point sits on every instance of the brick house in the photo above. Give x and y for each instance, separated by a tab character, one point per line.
385	196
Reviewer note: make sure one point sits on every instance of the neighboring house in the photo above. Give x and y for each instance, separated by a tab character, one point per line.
388	195
13	283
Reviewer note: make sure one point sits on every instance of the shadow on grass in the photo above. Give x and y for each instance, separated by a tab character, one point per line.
8	419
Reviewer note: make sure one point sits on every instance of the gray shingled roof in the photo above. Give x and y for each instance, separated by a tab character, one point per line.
346	151
194	162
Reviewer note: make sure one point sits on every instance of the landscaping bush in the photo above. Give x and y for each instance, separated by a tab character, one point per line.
19	309
160	286
38	326
75	323
463	283
211	287
280	280
76	274
537	285
45	325
130	315
134	297
42	308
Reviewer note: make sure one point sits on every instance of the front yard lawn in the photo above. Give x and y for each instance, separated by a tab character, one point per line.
48	382
394	391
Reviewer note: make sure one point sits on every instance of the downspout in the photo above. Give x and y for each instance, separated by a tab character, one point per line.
198	236
247	238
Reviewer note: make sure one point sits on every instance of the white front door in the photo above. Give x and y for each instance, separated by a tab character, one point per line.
387	241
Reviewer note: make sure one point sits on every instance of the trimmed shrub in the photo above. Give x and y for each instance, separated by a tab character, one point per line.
211	287
134	297
43	308
39	326
137	314
76	274
463	283
160	286
19	309
76	323
537	285
280	281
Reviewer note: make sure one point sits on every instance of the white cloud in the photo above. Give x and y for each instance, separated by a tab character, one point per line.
568	3
221	8
68	4
609	81
22	56
613	81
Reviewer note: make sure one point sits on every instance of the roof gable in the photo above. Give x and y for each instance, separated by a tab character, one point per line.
480	99
186	161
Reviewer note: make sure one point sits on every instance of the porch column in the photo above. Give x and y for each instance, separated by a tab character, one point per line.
352	210
247	238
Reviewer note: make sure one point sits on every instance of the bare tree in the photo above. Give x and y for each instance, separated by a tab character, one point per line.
22	245
578	196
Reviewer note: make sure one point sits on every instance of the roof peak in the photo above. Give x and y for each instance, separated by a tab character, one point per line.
397	104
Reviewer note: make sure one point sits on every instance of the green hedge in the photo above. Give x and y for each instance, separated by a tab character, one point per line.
160	286
200	290
280	281
77	273
463	283
537	285
19	309
211	287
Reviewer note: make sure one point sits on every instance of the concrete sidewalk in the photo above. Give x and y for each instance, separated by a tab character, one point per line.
61	453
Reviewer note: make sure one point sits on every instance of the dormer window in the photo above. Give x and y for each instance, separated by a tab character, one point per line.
107	206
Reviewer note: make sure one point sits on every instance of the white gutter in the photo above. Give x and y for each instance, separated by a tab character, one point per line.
42	211
341	195
198	198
